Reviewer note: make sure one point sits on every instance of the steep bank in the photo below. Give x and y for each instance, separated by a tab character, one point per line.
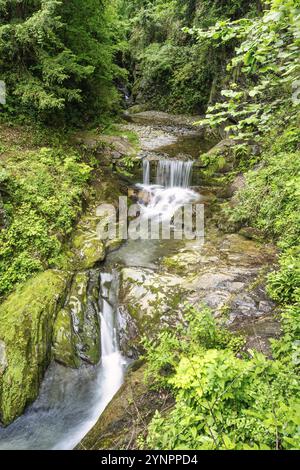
50	196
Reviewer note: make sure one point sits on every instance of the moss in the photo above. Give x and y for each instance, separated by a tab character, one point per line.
26	328
174	265
77	328
88	249
64	348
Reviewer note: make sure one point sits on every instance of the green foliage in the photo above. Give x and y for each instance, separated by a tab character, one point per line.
287	348
56	57
172	70
227	403
199	331
222	402
271	198
284	284
265	68
44	189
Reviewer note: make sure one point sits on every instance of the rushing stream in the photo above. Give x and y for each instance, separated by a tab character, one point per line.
71	401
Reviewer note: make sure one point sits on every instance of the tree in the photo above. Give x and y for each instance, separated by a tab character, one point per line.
56	56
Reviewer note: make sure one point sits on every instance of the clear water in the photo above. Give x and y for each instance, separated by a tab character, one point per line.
71	401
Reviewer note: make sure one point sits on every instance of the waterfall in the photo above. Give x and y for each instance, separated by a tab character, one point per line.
174	173
112	361
146	172
170	173
171	192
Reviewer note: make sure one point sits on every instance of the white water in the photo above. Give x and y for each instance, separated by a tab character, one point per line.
112	360
171	191
146	171
71	401
174	173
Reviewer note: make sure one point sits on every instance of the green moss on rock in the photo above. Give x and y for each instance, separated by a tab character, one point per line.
64	347
26	328
77	327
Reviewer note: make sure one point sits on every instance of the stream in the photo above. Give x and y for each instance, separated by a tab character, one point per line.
71	401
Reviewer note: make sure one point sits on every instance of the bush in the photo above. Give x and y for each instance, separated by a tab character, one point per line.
42	200
222	402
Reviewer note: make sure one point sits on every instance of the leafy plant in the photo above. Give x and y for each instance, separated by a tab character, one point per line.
222	402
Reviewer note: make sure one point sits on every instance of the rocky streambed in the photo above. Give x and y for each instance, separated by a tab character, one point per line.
152	281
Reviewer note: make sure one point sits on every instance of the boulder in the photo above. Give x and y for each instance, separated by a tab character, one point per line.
26	329
77	326
87	248
148	302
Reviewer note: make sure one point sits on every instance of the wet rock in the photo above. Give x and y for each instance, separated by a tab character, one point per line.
148	301
87	247
77	327
26	329
221	273
127	415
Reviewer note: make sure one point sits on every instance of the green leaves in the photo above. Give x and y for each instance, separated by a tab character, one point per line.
57	58
268	58
44	189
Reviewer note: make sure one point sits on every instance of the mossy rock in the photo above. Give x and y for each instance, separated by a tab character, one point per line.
148	301
64	347
26	328
77	326
88	249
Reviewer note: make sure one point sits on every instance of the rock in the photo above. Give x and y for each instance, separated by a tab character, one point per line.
161	118
223	273
251	233
111	147
238	183
88	249
64	346
221	158
26	329
127	415
77	327
148	301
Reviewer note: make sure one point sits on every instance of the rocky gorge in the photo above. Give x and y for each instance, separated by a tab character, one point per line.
59	312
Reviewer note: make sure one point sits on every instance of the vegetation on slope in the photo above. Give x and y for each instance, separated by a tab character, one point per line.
42	189
56	57
171	69
224	401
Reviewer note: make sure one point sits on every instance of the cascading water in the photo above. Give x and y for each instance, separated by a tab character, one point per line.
170	173
146	172
112	360
171	192
71	401
174	173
